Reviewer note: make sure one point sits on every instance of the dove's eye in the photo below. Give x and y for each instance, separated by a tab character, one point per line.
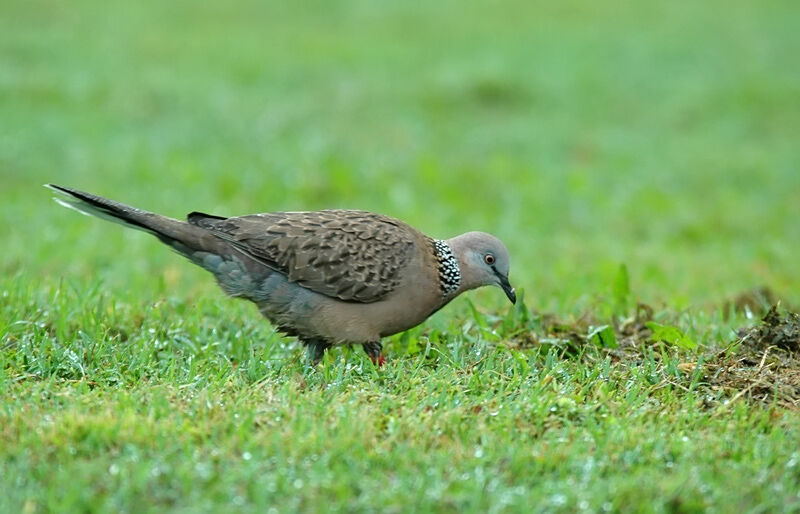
489	259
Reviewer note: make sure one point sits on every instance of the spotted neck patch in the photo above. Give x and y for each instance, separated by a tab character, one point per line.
449	272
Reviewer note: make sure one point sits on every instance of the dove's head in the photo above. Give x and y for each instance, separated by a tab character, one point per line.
483	260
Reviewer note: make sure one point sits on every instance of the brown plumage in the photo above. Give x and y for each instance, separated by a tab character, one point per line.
328	277
350	255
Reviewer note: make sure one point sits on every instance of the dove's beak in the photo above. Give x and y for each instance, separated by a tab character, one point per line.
506	286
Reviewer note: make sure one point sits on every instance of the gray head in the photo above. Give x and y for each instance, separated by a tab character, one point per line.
483	260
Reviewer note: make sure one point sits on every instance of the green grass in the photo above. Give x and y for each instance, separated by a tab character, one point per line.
586	135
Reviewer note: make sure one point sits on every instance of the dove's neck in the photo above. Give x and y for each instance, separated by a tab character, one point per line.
448	267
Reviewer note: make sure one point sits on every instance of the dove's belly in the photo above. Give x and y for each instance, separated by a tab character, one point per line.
302	312
299	311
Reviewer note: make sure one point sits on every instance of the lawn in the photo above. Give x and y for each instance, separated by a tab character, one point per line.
639	159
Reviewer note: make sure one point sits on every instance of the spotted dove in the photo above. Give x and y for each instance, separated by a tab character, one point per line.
327	277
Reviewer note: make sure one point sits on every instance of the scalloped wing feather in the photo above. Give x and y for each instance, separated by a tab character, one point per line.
351	255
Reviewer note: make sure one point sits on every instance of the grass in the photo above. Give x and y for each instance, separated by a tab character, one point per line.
661	137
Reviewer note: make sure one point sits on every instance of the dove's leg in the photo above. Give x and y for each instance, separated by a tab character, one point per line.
374	351
315	349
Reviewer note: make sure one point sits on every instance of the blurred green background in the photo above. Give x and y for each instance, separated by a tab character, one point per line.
661	135
586	135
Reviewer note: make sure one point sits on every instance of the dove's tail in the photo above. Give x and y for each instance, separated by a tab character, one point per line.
183	237
235	271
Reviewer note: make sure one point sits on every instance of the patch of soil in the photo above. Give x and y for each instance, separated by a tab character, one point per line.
764	366
775	330
572	335
761	366
633	334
